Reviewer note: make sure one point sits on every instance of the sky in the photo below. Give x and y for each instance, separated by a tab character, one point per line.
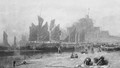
17	15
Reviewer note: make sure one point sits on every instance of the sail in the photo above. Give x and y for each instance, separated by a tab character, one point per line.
40	21
52	24
66	39
44	34
33	33
5	39
55	34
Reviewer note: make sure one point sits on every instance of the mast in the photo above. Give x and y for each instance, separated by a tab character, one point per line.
41	10
88	11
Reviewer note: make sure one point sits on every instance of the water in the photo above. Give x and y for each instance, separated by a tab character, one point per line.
7	57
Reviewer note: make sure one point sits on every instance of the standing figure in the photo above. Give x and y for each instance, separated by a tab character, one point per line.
92	50
59	49
14	64
72	55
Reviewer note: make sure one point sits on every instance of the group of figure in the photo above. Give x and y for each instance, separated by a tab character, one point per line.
22	63
74	55
97	61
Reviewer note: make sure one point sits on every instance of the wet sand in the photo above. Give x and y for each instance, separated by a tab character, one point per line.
64	61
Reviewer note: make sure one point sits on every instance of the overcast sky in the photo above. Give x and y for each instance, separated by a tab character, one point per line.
17	15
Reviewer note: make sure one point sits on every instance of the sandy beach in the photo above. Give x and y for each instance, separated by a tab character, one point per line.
64	61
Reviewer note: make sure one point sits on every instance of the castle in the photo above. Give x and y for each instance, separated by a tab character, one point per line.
85	31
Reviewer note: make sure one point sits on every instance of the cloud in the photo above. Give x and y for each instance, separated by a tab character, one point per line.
111	23
17	15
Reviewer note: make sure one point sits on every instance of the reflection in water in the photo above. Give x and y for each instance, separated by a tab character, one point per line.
7	57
